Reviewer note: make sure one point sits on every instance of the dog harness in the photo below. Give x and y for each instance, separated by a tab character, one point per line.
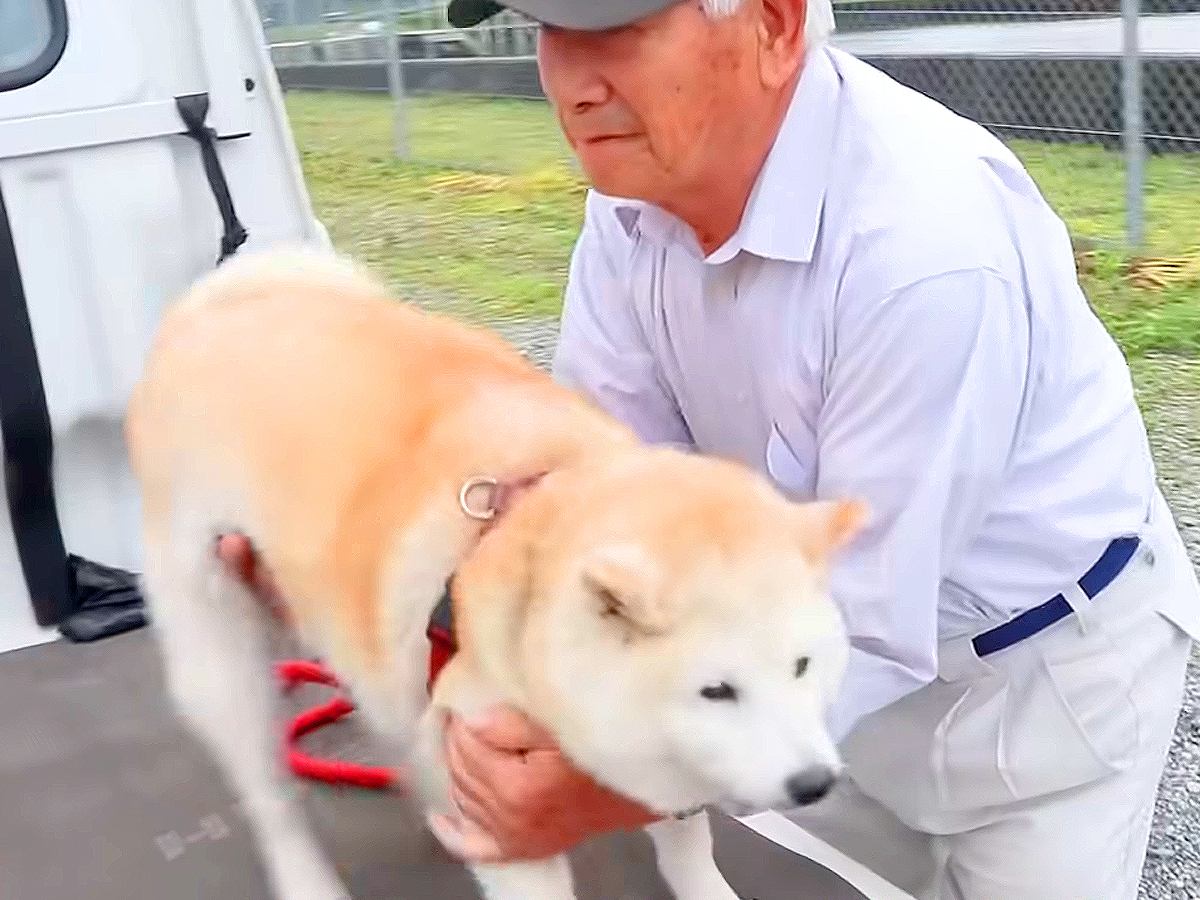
442	646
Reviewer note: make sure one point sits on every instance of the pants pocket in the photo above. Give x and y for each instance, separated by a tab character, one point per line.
1063	717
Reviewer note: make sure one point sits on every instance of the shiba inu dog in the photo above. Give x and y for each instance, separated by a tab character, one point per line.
665	615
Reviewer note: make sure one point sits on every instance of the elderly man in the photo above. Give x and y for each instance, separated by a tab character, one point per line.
792	260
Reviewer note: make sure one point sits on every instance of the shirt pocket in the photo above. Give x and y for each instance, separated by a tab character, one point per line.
791	460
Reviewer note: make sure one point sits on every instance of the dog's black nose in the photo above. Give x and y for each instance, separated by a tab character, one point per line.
810	785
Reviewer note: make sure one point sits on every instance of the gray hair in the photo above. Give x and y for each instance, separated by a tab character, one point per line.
818	22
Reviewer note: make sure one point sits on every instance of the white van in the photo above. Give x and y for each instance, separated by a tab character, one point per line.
139	142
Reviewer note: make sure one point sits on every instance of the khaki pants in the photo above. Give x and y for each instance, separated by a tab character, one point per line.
1031	773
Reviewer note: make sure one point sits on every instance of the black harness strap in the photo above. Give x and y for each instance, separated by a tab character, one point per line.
441	621
28	447
193	109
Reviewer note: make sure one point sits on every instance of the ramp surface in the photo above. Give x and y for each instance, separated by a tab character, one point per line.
105	797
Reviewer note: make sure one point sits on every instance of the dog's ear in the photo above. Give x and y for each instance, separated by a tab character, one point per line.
825	526
627	587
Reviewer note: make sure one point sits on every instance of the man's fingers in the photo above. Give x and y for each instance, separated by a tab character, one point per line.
508	730
237	555
465	774
470	811
482	755
501	782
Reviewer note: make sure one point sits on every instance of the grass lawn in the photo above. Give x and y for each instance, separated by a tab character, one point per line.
488	211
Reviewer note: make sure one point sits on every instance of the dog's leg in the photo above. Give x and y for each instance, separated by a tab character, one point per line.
548	879
685	859
213	640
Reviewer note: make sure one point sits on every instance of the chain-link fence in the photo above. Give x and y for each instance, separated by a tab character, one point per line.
1042	74
1099	73
464	190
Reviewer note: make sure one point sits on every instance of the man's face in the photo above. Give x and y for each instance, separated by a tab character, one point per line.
653	108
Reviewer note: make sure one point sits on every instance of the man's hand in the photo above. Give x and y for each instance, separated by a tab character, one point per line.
236	553
518	796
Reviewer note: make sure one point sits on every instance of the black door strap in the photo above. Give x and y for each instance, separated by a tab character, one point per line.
28	447
193	109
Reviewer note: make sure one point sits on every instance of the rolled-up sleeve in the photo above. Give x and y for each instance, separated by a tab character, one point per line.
603	351
923	398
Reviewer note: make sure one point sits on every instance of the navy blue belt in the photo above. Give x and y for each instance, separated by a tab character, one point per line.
1041	617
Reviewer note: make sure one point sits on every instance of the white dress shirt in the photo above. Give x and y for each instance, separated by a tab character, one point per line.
897	319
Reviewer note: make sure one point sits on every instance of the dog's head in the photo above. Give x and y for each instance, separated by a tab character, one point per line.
678	637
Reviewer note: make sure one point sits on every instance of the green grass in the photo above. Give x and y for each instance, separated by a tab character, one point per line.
1086	184
488	211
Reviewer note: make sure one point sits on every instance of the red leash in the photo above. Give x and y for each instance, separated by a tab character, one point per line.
293	672
304	765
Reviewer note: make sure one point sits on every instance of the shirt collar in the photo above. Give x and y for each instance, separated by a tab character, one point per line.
783	213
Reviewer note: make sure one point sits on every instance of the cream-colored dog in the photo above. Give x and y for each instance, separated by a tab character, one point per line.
664	615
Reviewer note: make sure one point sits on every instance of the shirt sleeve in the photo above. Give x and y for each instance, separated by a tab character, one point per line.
602	349
923	400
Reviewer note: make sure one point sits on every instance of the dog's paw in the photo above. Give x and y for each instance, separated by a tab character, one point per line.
717	892
314	882
463	843
722	893
316	892
714	888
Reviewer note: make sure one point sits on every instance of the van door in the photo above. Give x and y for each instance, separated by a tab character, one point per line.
108	209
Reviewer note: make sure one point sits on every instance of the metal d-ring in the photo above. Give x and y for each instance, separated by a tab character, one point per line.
469	485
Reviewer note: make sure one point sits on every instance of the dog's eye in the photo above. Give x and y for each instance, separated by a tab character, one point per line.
801	666
722	691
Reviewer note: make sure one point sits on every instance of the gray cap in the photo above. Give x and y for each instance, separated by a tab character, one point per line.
579	15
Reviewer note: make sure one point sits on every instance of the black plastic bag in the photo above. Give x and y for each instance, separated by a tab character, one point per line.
109	601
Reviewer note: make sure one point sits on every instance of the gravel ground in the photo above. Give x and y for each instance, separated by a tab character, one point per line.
1173	863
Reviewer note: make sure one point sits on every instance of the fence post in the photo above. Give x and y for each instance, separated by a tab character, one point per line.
396	82
1133	125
